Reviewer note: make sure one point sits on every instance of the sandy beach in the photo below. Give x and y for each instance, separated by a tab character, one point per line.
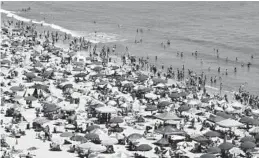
64	96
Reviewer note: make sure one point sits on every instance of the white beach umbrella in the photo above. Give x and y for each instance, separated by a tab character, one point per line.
107	109
151	96
109	141
75	95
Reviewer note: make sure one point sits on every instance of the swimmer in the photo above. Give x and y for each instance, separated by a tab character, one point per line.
209	69
181	54
219	70
227	59
226	71
201	61
236	59
235	69
252	57
156	58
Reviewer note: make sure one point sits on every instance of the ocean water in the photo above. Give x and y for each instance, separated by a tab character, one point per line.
230	27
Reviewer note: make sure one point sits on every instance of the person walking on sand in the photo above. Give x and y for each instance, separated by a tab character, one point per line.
220	88
226	71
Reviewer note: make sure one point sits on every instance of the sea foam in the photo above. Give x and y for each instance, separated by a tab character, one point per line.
99	37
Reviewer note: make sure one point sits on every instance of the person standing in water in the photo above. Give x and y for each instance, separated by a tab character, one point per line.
220	88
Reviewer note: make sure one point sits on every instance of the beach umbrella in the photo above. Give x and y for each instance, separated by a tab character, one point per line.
93	127
92	136
134	137
5	61
109	141
16	88
30	75
115	67
142	78
193	102
207	156
128	85
98	148
237	105
158	80
254	130
97	68
212	134
168	130
41	86
257	136
86	145
246	120
67	134
151	108
184	108
38	79
144	147
174	95
38	64
32	148
226	146
248	138
229	123
78	138
75	95
214	150
107	109
236	151
248	145
40	120
30	98
80	75
163	104
70	126
160	85
151	96
50	108
116	120
225	115
67	86
162	142
167	116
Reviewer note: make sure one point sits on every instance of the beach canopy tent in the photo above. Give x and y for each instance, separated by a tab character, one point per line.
228	123
213	150
169	130
167	116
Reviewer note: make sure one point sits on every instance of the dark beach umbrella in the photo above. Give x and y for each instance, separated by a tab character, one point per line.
257	136
78	138
134	137
98	75
117	129
144	147
115	67
213	150
205	100
16	88
248	138
15	43
50	108
212	134
40	86
78	69
97	68
32	148
225	115
208	156
151	108
183	94
246	120
226	146
30	75
255	122
67	134
88	58
6	62
93	127
248	145
144	90
116	120
38	64
184	108
80	75
163	104
142	78
97	63
4	45
92	136
35	70
30	98
158	80
67	86
47	74
174	95
162	142
128	85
